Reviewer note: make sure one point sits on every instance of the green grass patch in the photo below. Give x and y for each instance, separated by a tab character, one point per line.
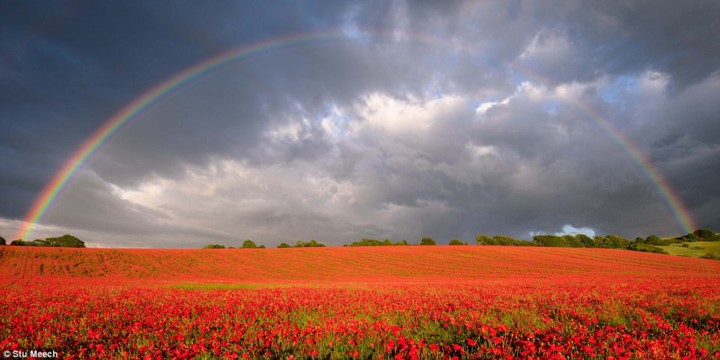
694	249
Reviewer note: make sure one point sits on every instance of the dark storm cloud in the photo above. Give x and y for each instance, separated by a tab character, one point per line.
441	120
629	36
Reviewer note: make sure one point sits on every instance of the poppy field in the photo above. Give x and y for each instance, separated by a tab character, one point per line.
438	302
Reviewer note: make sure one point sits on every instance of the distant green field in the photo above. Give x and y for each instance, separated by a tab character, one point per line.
694	249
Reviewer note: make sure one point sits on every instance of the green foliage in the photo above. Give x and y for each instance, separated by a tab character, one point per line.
700	235
585	240
2	241
502	240
646	248
706	235
284	246
611	242
249	244
484	240
427	241
457	242
572	241
712	255
581	240
654	240
39	242
65	241
556	241
214	246
618	242
311	243
61	241
371	242
374	242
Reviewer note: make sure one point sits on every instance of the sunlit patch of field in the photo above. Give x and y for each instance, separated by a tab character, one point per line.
692	249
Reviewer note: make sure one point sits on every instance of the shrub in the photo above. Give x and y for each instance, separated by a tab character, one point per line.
311	243
214	246
371	242
249	244
704	234
712	255
484	240
646	248
457	242
427	241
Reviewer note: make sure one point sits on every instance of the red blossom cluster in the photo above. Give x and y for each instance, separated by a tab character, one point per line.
551	313
553	319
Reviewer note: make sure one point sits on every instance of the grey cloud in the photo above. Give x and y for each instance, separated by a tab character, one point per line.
531	163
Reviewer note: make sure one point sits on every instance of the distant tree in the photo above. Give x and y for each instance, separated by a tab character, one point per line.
484	240
369	242
39	242
585	240
374	242
214	246
2	241
283	246
504	240
261	247
572	241
645	248
653	240
311	243
65	241
17	242
618	242
601	242
249	244
705	234
427	241
401	243
550	240
456	242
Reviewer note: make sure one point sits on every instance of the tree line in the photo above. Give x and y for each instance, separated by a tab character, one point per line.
66	240
649	244
249	244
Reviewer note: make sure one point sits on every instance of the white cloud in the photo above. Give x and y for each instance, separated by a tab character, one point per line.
571	230
398	117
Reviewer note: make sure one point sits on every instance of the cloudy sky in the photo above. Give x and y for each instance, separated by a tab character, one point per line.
341	120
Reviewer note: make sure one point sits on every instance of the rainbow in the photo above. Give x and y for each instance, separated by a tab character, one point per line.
126	114
679	211
123	117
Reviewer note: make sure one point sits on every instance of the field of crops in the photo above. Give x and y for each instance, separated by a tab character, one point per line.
436	302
